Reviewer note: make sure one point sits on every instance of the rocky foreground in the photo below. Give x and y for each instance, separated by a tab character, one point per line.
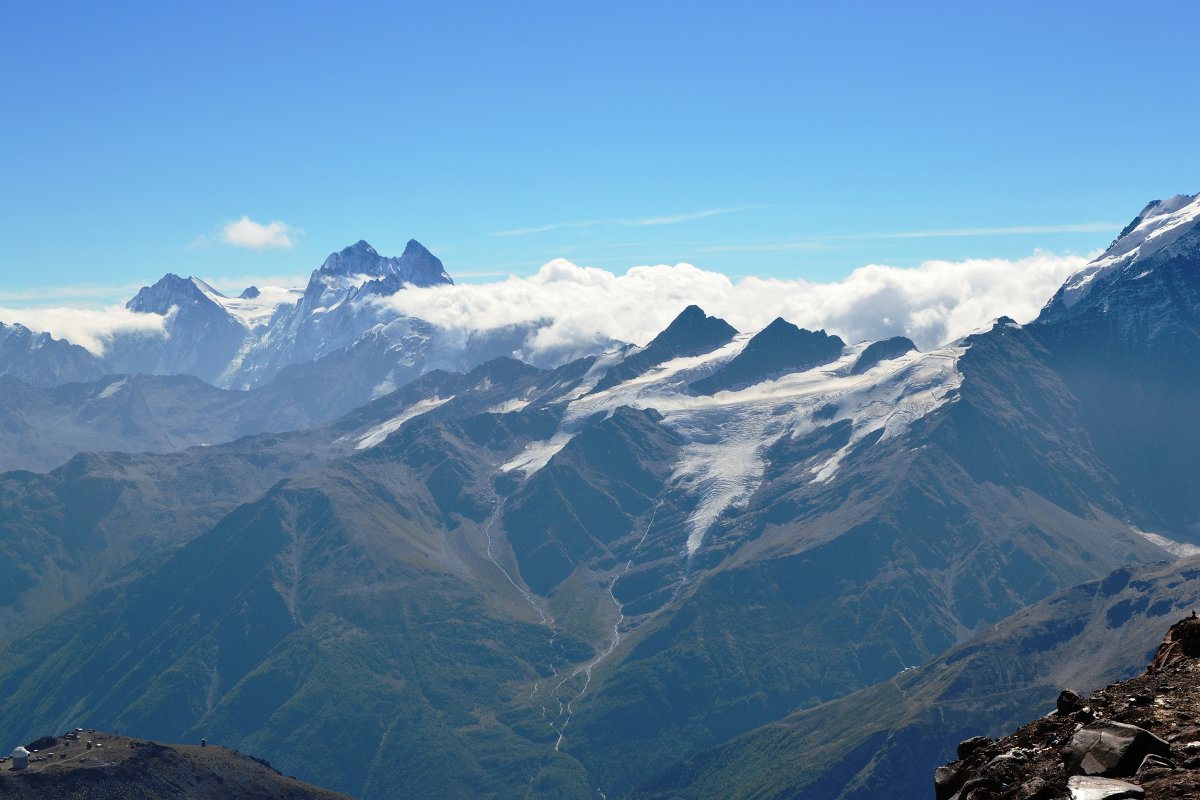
1137	738
101	766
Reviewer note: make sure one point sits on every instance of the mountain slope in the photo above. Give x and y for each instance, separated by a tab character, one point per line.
1135	313
885	740
576	578
42	360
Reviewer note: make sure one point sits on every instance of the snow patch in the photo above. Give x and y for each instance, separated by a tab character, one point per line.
256	311
385	429
1175	548
508	406
112	389
728	433
891	401
537	454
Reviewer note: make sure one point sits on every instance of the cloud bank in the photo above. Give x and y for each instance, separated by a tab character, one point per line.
91	328
576	307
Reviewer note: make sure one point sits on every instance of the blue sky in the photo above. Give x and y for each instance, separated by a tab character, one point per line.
777	139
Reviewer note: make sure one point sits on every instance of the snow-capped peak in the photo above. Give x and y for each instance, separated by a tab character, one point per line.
1159	225
171	290
204	287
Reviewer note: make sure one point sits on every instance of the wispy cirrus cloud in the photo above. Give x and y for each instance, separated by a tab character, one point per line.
246	233
829	242
617	222
1014	230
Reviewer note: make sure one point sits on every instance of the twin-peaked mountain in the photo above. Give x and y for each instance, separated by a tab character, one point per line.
245	341
644	572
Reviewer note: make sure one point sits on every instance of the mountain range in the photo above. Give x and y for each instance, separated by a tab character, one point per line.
712	565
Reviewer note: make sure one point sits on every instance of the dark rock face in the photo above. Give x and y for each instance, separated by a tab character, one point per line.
777	349
1181	645
1069	702
202	337
883	350
691	333
42	360
968	746
589	495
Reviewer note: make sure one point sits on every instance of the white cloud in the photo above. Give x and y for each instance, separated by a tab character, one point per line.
577	306
245	232
90	328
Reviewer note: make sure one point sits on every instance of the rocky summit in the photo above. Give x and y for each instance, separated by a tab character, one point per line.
1136	738
93	765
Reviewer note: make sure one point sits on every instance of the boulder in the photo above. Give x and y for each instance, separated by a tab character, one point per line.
1181	644
1069	702
968	746
947	781
1110	748
1086	787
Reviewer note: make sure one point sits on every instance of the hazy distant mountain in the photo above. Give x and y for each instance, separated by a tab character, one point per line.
42	360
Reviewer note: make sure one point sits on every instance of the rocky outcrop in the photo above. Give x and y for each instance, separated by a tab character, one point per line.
1137	738
92	765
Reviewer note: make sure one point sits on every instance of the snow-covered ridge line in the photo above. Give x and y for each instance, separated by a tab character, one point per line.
729	432
377	434
1159	225
252	312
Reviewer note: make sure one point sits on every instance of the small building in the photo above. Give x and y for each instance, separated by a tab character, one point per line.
20	758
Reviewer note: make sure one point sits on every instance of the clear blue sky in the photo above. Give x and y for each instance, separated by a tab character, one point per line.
132	132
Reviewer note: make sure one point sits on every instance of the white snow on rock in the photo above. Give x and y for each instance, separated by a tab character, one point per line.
252	312
728	433
112	389
508	406
1176	548
537	454
385	429
1159	225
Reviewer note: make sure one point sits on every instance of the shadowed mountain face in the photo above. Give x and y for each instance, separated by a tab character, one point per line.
777	349
691	333
883	350
513	581
43	361
576	508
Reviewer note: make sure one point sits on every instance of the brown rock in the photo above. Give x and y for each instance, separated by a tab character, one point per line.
1110	748
968	746
1069	702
